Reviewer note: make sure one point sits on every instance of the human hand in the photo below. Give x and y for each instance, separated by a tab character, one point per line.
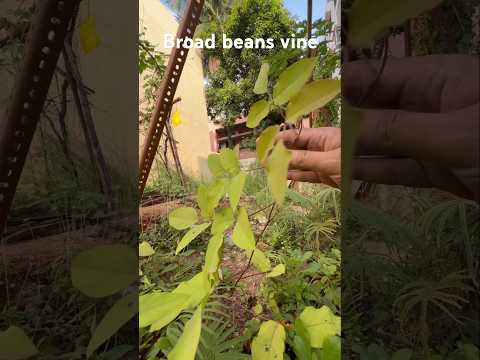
316	155
420	123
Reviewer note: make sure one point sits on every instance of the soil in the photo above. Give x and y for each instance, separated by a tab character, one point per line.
243	298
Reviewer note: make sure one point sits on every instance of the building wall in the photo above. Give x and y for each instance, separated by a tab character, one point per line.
333	13
192	136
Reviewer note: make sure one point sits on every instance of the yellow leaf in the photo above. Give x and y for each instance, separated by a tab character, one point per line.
242	233
261	86
277	271
266	141
277	170
187	344
319	324
269	344
144	249
176	119
258	309
292	80
312	97
89	39
235	188
257	113
259	260
212	257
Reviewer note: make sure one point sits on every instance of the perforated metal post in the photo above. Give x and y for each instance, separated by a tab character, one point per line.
17	126
167	90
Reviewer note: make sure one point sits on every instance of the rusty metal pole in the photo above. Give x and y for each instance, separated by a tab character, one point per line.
167	90
17	126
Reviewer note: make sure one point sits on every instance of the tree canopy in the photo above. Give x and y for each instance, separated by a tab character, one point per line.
230	87
231	79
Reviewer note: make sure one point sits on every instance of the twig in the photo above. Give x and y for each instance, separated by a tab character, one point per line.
259	211
269	219
379	74
256	274
86	119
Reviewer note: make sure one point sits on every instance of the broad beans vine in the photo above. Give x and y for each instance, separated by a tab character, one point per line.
315	332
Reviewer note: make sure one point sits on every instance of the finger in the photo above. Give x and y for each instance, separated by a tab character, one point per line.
312	177
323	162
407	172
424	84
311	139
448	138
304	176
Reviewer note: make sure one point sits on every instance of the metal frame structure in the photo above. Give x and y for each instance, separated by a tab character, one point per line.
167	91
17	127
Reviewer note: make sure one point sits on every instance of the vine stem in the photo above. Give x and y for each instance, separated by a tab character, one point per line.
379	74
260	210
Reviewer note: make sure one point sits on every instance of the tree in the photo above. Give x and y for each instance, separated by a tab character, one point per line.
230	87
230	83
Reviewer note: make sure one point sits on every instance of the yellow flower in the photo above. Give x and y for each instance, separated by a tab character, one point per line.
176	118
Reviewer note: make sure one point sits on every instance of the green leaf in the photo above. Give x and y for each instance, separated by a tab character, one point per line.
369	18
182	218
186	347
269	344
104	270
197	289
265	142
144	249
313	96
331	349
242	233
119	314
229	160
302	350
222	220
277	171
203	201
208	197
261	86
403	354
215	165
190	236
259	260
292	80
319	324
160	308
257	113
212	257
277	271
235	188
15	345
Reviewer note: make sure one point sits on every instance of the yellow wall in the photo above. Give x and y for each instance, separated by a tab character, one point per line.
110	70
193	134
